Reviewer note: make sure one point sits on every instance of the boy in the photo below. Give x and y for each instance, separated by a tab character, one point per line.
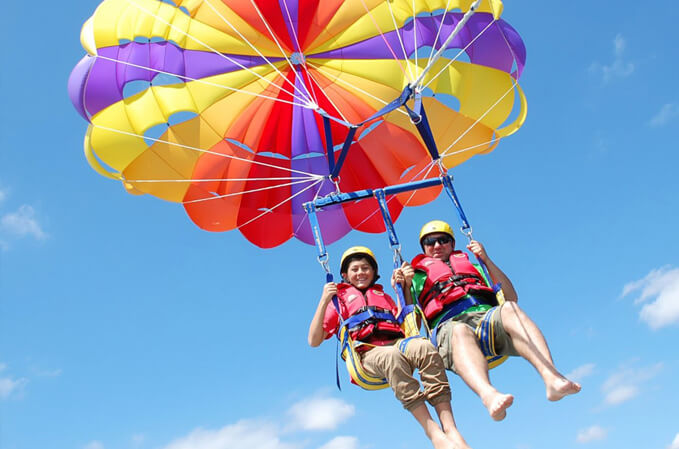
377	343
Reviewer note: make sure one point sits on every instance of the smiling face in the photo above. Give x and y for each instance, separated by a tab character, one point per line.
360	273
438	245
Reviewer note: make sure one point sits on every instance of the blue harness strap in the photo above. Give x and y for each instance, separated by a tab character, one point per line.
454	309
447	182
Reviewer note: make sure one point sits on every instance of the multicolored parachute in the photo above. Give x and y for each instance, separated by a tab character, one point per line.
235	108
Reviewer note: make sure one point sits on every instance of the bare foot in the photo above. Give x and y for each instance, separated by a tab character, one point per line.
562	387
498	404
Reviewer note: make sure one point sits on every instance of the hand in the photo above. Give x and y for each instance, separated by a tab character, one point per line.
478	250
398	277
329	290
408	273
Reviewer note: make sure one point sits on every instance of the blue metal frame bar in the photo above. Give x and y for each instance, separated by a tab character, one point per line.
337	198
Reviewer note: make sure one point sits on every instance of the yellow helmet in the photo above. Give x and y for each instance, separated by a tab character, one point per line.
436	226
355	251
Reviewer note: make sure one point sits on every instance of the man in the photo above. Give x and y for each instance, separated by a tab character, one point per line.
470	325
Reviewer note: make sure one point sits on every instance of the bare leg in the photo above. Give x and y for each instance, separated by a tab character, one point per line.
531	345
445	414
472	367
431	428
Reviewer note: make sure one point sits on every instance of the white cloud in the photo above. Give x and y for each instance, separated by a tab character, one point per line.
593	433
242	435
581	372
138	439
94	445
675	442
626	383
3	195
668	112
22	223
320	413
341	443
619	68
9	386
661	287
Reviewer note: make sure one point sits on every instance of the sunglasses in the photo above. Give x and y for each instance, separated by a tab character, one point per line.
442	240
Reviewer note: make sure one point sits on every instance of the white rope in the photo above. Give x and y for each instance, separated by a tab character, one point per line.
353	86
292	94
244	192
273	37
459	53
456	31
327	97
226	21
200	81
408	75
200	150
438	32
299	49
291	178
511	88
278	205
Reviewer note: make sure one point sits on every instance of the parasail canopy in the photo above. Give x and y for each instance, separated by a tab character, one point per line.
243	110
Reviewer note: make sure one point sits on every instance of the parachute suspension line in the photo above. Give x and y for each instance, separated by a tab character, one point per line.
409	75
327	97
214	153
352	86
466	229
438	32
459	53
486	112
160	19
244	39
279	204
199	81
456	31
299	49
245	192
292	178
273	37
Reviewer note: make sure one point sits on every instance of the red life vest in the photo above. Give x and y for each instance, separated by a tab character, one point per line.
353	302
445	283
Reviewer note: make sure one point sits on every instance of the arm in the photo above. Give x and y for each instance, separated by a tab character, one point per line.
316	332
496	274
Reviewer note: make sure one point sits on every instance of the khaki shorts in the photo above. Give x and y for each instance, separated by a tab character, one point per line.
490	333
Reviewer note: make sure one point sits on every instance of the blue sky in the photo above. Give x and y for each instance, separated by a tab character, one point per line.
122	325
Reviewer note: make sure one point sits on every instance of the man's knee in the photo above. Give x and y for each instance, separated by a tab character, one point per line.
461	333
